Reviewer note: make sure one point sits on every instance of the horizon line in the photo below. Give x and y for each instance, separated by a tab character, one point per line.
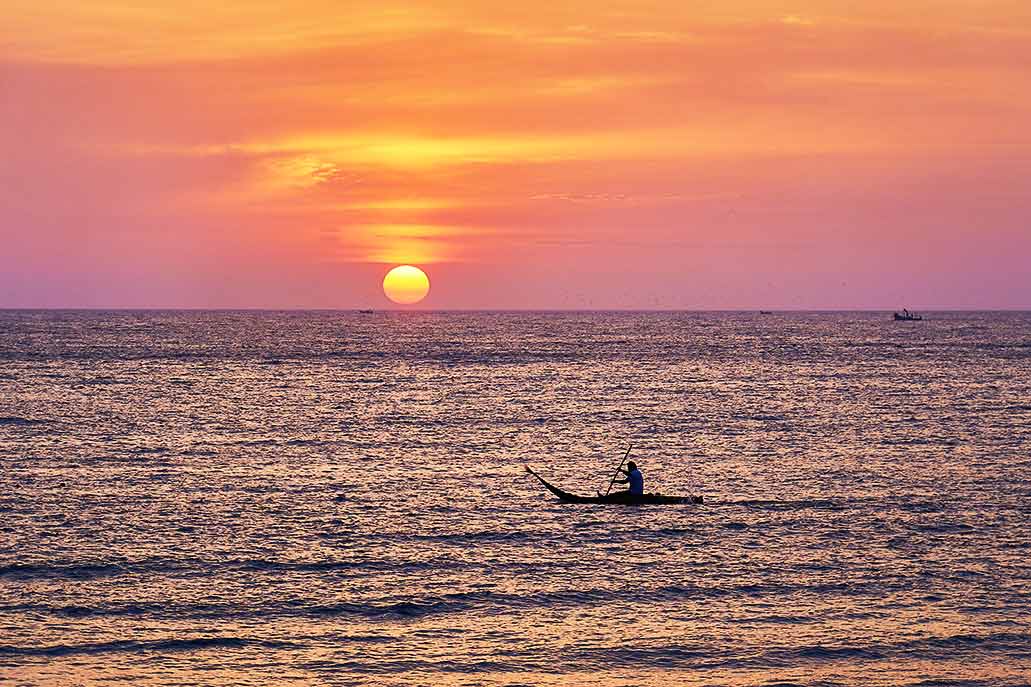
504	310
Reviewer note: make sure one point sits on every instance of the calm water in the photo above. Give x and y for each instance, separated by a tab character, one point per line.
335	499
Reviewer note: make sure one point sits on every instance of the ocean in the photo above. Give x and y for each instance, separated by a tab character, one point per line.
336	498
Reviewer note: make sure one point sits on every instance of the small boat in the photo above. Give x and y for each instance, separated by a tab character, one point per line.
907	316
366	312
618	497
765	312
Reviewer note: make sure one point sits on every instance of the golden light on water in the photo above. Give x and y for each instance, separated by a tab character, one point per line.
406	285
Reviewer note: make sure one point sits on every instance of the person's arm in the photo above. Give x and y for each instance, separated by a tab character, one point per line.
621	481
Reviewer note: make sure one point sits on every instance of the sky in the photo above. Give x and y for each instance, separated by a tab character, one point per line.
650	154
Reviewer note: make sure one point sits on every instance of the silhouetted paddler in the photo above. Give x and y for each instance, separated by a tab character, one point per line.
633	477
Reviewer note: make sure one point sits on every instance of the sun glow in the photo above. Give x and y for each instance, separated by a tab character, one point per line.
406	285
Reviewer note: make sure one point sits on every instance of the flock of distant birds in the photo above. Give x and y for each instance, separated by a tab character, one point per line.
904	316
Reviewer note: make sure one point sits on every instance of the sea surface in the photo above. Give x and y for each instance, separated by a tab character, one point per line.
335	498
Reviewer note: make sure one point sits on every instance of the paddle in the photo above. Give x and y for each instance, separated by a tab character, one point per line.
625	456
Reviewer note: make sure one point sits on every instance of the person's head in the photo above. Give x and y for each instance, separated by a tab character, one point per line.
631	466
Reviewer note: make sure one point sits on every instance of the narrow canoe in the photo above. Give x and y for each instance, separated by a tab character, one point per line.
617	497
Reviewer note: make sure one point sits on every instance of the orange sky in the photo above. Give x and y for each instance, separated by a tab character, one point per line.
527	155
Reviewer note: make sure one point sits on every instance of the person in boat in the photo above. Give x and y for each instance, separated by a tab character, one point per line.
634	478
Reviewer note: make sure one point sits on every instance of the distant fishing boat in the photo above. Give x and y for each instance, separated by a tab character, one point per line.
366	312
618	497
907	316
765	312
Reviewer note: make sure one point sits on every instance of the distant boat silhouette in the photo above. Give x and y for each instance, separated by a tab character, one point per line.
366	312
621	497
907	316
765	312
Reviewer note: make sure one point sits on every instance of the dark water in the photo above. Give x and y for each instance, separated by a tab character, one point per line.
335	499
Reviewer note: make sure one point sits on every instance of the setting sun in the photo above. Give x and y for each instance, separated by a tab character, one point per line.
406	285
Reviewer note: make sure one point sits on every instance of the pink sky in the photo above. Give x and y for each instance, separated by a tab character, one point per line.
529	155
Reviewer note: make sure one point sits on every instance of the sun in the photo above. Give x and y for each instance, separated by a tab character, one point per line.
406	285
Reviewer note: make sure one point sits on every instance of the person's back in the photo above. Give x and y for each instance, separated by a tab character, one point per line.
636	480
633	477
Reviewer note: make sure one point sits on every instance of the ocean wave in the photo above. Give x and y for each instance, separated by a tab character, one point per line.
1018	641
143	646
483	535
204	567
485	600
104	610
919	506
827	653
149	450
944	527
1012	645
291	608
71	571
697	654
952	683
787	505
21	421
667	656
97	381
265	565
420	607
672	531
